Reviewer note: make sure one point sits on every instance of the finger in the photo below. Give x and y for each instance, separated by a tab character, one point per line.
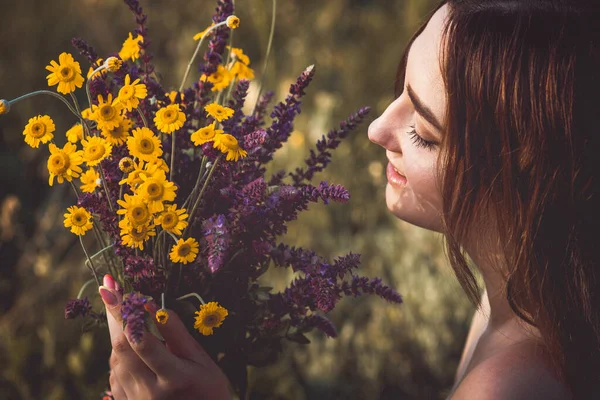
112	301
154	354
116	388
178	339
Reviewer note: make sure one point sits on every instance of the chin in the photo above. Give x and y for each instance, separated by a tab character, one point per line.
402	203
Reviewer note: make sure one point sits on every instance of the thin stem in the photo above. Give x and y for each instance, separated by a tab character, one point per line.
172	175
200	172
85	285
191	217
262	76
92	268
196	295
89	80
106	188
47	92
189	66
142	116
86	129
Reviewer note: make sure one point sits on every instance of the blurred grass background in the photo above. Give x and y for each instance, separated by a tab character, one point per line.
383	351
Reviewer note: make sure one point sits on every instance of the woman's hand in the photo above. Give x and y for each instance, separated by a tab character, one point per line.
151	370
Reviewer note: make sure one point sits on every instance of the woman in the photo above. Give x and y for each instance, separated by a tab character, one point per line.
493	142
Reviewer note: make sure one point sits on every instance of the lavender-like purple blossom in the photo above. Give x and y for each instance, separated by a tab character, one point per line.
321	323
77	308
230	125
133	314
217	241
85	49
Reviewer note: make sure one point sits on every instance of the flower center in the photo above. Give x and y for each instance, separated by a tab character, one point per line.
126	92
184	250
169	220
155	191
146	146
79	219
107	112
66	74
117	133
229	141
211	320
139	215
38	130
59	163
138	234
95	152
170	116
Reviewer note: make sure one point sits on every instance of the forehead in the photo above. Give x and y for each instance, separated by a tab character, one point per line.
423	64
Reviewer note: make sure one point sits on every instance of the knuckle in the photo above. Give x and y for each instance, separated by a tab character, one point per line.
121	345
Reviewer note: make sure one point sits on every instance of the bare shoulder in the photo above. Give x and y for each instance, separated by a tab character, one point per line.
521	373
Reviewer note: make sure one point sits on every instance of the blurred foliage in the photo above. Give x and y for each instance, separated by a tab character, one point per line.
383	351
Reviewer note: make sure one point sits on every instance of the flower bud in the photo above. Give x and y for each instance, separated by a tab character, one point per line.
4	106
233	22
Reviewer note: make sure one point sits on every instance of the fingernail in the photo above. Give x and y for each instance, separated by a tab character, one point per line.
108	298
109	282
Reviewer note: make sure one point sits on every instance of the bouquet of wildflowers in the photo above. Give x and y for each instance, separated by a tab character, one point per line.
172	186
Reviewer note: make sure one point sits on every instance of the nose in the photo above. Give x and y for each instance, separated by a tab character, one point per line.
384	130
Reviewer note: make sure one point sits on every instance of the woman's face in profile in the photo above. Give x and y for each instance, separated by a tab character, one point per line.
417	115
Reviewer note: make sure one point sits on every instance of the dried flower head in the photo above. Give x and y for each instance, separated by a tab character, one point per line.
233	22
4	106
162	316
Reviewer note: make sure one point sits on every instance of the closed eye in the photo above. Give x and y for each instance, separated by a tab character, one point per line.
419	141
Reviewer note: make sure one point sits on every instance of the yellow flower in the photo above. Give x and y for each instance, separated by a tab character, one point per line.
118	135
66	73
78	219
144	144
107	113
239	55
172	219
136	236
95	149
233	22
210	315
152	166
135	210
155	190
218	112
199	35
64	163
172	95
184	251
131	48
4	106
162	316
169	118
131	93
90	180
94	66
206	134
220	79
126	165
39	129
242	71
229	145
75	134
113	64
133	179
87	113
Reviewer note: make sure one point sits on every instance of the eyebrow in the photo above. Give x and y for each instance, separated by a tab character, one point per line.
422	109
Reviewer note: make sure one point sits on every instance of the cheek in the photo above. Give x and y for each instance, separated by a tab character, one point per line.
420	170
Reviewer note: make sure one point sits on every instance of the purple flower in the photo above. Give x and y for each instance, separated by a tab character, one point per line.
85	49
217	241
77	308
133	313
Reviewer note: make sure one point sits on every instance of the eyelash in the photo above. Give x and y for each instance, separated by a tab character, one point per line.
419	141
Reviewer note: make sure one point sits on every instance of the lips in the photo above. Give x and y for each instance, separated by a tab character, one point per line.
394	177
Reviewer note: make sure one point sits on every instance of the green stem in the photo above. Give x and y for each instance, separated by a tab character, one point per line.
172	175
262	76
189	66
197	185
196	295
47	92
86	129
106	188
89	80
191	217
85	285
142	116
92	267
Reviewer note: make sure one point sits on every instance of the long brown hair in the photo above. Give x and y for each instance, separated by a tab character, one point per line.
521	143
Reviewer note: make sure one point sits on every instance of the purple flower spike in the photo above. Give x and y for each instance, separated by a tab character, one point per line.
85	49
133	313
321	323
77	308
217	240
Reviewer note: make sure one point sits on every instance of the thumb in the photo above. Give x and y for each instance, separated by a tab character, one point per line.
178	339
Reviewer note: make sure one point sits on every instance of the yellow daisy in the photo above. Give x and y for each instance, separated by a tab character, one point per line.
135	210
131	93
199	35
242	71
39	130
66	73
135	237
172	95
220	79
152	166
144	144
87	113
211	315
169	118
162	316
239	55
229	145
107	113
206	134
113	64
172	219
218	112
184	251
64	163
233	22
95	149
75	134
131	48
90	180
126	165
133	178
100	74
119	134
155	190
78	219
